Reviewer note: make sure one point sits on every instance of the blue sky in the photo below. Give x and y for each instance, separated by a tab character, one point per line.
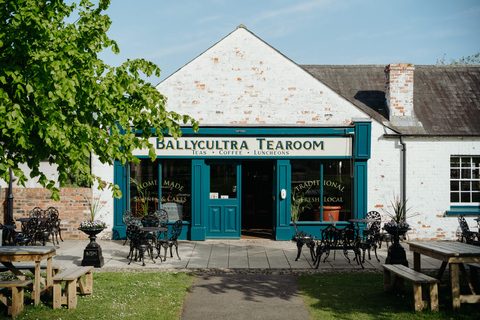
172	33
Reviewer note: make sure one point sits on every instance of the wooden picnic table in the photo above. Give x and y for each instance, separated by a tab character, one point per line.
9	254
453	254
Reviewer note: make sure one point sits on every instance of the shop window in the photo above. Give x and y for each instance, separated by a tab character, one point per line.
144	187
173	193
177	189
321	184
464	180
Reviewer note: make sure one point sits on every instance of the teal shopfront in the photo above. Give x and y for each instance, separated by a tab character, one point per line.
228	182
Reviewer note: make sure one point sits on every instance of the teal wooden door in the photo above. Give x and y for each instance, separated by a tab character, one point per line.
223	216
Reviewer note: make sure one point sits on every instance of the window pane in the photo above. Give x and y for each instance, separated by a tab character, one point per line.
465	197
476	162
337	187
465	186
144	187
454	174
476	174
223	180
454	197
466	162
176	189
455	162
454	186
476	185
306	188
476	197
466	174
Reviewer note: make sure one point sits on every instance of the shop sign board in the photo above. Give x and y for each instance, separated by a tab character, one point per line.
251	147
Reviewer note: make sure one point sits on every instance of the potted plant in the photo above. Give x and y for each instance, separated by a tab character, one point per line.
299	203
397	226
144	196
92	255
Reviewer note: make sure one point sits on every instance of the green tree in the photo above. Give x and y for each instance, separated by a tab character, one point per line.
59	102
468	60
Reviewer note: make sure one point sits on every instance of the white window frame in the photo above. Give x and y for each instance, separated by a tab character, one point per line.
468	178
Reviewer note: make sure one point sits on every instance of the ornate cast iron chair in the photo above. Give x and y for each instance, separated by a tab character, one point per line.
467	236
139	244
302	238
172	241
53	214
27	235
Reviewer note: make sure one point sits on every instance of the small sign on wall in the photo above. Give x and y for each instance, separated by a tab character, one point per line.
213	195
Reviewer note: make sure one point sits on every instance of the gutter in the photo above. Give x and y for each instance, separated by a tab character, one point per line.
404	176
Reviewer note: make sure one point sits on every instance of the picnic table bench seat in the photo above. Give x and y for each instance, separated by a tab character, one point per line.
474	268
31	268
16	286
417	278
73	284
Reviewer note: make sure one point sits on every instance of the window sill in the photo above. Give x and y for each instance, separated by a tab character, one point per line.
463	210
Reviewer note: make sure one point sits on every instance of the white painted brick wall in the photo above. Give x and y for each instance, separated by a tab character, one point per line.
242	80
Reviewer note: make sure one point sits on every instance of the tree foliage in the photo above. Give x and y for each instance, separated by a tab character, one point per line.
59	102
468	60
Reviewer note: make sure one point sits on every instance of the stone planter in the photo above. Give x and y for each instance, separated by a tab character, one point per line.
396	253
92	255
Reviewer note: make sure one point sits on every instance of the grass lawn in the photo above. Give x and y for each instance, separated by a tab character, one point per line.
158	295
361	296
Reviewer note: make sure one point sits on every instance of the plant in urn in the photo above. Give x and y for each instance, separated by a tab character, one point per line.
92	255
397	227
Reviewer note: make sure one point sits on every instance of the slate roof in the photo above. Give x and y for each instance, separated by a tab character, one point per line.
446	98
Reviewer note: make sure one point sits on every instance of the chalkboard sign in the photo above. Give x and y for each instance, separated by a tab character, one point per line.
175	210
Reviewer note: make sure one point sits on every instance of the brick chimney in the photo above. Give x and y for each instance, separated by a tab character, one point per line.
399	90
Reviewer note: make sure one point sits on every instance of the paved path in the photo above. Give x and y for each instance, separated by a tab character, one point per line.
252	296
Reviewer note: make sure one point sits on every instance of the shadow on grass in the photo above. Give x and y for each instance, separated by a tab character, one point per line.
361	296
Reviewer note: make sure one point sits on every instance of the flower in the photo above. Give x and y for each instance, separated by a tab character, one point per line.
87	224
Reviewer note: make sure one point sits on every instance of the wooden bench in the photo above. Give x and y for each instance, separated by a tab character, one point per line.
30	268
73	285
17	286
474	267
418	279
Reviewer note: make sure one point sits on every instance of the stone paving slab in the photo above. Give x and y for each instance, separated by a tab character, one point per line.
246	255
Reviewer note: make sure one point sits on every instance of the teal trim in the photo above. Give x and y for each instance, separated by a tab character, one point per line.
283	217
197	231
361	188
120	205
363	140
463	210
242	131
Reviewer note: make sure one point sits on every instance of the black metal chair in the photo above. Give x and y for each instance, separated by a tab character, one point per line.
467	236
383	236
162	215
369	240
302	238
27	235
53	215
139	244
127	219
172	241
151	220
37	212
44	231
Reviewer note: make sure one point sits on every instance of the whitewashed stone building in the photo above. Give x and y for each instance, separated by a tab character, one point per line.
341	140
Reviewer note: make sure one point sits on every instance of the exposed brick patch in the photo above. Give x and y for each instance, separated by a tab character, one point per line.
72	207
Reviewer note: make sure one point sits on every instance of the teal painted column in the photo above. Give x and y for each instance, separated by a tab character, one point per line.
283	218
199	194
361	189
120	177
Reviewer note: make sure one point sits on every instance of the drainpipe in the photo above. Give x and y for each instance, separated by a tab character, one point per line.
404	176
